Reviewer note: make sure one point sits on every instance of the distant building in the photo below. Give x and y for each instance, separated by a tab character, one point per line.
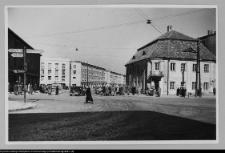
54	70
209	41
64	71
17	63
161	62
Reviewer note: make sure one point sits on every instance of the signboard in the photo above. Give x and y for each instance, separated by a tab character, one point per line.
34	51
16	50
19	71
17	55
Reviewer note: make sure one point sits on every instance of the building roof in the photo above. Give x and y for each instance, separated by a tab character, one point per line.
172	45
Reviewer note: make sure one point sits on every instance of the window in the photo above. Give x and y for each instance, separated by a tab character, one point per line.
194	67
157	66
206	68
193	85
172	66
63	66
56	78
63	72
172	85
49	66
56	65
42	72
74	71
144	53
74	77
42	65
63	78
74	66
183	67
206	85
42	78
56	72
49	77
49	72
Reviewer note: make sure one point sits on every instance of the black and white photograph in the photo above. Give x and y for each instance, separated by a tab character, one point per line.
111	74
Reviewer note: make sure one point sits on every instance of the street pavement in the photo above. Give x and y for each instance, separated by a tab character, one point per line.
200	109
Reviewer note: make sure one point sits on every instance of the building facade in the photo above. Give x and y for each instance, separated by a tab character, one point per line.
67	72
17	63
168	61
54	70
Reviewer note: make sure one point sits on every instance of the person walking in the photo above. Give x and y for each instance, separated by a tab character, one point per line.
31	89
214	91
88	95
35	88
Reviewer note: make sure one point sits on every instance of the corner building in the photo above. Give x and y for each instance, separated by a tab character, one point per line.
169	60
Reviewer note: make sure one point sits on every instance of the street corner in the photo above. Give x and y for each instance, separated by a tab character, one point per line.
16	105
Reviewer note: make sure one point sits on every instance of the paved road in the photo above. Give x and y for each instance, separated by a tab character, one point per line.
200	109
65	118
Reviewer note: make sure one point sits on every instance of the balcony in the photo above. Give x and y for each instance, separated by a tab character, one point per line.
156	74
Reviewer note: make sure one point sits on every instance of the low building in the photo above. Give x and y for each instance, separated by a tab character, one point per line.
169	60
17	63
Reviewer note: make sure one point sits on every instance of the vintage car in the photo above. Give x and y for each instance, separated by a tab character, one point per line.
77	91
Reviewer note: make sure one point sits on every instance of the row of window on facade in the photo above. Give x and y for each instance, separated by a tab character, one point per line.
183	67
50	66
56	72
56	78
173	85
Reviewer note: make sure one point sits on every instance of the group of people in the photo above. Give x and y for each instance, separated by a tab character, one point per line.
181	91
113	90
152	91
48	89
18	88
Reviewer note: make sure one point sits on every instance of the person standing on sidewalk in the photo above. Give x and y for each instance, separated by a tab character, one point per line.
16	89
214	91
88	95
49	90
56	90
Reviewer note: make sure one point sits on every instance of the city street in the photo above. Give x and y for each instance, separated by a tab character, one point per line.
139	117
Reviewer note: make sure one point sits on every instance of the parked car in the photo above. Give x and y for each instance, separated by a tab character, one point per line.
77	91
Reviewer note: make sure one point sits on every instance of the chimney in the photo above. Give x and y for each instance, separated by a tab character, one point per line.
210	32
169	27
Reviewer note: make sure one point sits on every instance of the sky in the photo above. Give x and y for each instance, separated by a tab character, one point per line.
105	36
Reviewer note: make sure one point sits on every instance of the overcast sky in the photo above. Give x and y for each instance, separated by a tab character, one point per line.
106	36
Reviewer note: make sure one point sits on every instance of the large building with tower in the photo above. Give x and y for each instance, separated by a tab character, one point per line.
67	72
168	61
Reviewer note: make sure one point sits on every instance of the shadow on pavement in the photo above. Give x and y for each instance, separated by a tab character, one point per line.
116	125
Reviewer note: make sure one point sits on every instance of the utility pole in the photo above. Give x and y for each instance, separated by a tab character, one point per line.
25	69
87	73
70	76
198	76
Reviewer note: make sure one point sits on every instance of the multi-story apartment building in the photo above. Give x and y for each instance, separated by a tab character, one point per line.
54	70
168	61
67	72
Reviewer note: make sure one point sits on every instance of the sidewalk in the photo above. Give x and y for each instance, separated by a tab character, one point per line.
18	105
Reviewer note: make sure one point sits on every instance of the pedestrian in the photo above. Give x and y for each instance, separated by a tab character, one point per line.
19	89
133	90
113	91
106	91
185	92
159	92
35	88
49	89
103	90
88	95
110	90
214	91
57	90
30	89
16	89
178	91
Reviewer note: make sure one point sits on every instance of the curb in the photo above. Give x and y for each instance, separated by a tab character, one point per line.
15	106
